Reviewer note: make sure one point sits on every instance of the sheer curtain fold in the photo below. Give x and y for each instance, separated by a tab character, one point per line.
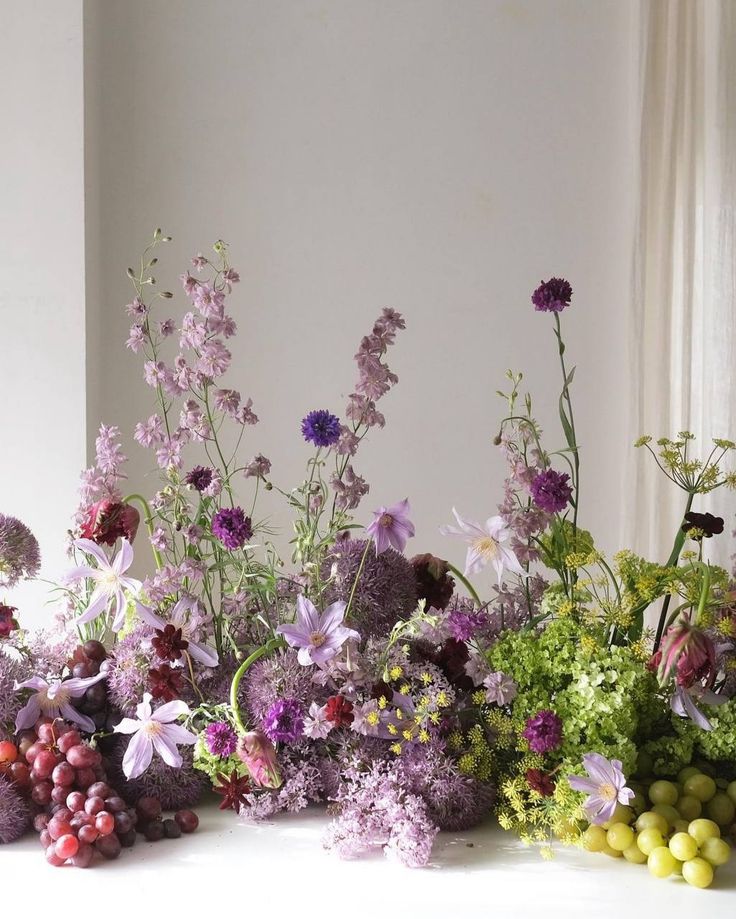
683	329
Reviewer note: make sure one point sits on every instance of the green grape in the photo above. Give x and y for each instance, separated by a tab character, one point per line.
697	872
594	839
670	814
680	826
620	836
623	814
663	792
684	774
715	851
612	853
638	803
731	791
700	786
683	846
721	809
661	862
689	807
651	819
703	829
634	855
649	840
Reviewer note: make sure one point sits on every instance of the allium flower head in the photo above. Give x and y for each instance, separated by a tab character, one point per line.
154	730
318	636
552	296
486	545
605	787
551	491
232	527
284	722
19	553
275	677
391	527
14	813
220	739
175	787
321	428
53	699
543	732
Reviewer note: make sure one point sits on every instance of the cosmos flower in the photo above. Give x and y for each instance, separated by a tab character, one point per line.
318	636
185	617
605	787
485	545
53	699
110	581
154	731
391	527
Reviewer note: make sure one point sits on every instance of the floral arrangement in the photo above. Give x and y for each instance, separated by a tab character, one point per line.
408	695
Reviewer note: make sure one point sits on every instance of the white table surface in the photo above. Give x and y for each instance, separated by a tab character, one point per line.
227	868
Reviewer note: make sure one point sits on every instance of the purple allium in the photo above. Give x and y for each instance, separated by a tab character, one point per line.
200	477
543	732
552	296
284	721
130	661
175	788
391	527
465	624
220	739
232	527
19	553
321	428
605	788
12	670
551	491
15	816
278	676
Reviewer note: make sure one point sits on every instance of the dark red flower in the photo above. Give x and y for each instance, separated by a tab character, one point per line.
707	524
8	622
541	782
168	643
434	584
234	790
108	520
339	711
165	683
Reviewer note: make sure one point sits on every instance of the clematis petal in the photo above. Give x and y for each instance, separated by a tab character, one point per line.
166	749
124	559
170	711
179	735
71	714
29	714
138	756
97	604
580	783
306	613
127	726
91	548
203	654
295	634
78	573
147	615
332	617
78	686
35	682
143	709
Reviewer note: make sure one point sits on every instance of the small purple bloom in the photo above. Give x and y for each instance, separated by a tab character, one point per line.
220	739
284	721
321	428
552	296
200	477
551	491
543	732
464	624
318	636
391	527
53	699
232	527
605	788
500	688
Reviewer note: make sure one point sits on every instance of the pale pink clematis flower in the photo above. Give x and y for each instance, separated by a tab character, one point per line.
485	545
391	527
187	616
154	731
53	698
318	636
109	577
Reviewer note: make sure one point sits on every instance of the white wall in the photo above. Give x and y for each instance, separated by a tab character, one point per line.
42	296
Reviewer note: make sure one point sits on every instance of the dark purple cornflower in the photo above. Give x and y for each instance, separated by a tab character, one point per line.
200	478
552	296
551	491
220	739
321	428
284	721
232	527
543	732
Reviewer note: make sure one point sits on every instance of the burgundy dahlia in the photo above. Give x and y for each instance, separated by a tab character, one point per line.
552	296
543	732
232	527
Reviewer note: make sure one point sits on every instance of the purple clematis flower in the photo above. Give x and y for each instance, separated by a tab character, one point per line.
53	699
185	615
605	788
391	527
485	545
110	581
318	636
683	704
154	731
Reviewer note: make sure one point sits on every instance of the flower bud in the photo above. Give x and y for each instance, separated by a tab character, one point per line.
259	755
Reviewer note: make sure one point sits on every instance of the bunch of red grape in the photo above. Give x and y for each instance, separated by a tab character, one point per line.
85	663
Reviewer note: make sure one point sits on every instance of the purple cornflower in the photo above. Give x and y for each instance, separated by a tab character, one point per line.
318	636
200	477
232	527
19	553
543	732
605	788
463	624
220	739
551	491
321	428
552	296
391	527
284	721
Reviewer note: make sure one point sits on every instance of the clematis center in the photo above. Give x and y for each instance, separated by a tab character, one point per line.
53	698
386	520
607	792
110	579
486	546
152	728
317	639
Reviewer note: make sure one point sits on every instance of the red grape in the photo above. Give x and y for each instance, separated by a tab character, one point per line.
105	823
88	834
108	846
187	820
8	752
52	858
84	856
68	740
67	846
75	801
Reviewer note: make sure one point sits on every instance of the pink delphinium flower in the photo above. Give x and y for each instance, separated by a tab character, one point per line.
148	433
154	731
391	527
500	688
110	580
318	636
485	545
53	699
605	787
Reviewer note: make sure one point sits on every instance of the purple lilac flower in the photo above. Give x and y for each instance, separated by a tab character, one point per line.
19	553
53	699
284	721
318	636
500	688
605	788
200	477
543	732
391	527
232	527
551	491
154	731
321	428
465	624
220	739
258	467
552	296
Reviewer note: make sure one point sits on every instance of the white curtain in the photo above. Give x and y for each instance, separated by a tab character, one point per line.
683	317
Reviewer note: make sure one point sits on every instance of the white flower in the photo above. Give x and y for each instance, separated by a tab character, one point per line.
154	731
316	726
110	581
485	545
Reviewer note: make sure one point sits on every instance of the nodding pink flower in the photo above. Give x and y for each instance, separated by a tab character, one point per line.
485	545
605	788
688	653
154	731
106	521
259	755
111	583
53	699
391	527
318	636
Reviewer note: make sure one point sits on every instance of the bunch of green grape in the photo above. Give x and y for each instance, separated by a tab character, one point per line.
676	832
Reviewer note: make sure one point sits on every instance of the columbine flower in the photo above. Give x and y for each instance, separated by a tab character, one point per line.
232	527
552	296
543	732
318	636
107	521
109	579
154	731
185	618
259	755
485	545
700	525
284	721
220	739
258	467
391	527
19	553
551	491
500	688
605	788
321	428
52	699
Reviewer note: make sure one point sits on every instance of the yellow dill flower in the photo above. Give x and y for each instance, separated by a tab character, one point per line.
424	701
372	718
727	627
426	678
434	717
392	729
399	715
588	644
408	734
442	699
382	702
396	748
424	736
455	740
504	820
546	852
395	672
478	697
640	650
405	689
566	608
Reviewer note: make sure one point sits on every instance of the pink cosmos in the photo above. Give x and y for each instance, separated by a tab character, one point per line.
605	788
154	731
318	636
187	616
52	699
110	580
485	545
391	527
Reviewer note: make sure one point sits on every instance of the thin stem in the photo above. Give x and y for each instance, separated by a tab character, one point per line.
368	545
270	646
465	582
149	524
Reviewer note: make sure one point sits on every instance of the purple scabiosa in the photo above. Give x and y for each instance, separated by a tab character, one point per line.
552	296
434	584
15	817
130	662
386	589
232	527
20	556
278	676
284	721
543	732
175	788
199	478
321	428
551	491
220	739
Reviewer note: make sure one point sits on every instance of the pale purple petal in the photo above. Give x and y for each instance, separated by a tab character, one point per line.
71	714
91	548
170	711
179	735
29	714
332	617
147	615
35	682
580	783
97	604
166	749
81	571
296	636
138	756
118	620
306	614
203	654
127	726
124	559
78	686
143	709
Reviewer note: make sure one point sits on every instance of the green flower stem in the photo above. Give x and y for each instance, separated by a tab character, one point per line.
149	523
465	582
574	444
270	646
368	545
671	561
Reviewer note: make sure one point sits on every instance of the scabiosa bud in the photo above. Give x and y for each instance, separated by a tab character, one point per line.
284	722
434	584
552	296
232	527
321	428
200	478
543	732
551	491
107	521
